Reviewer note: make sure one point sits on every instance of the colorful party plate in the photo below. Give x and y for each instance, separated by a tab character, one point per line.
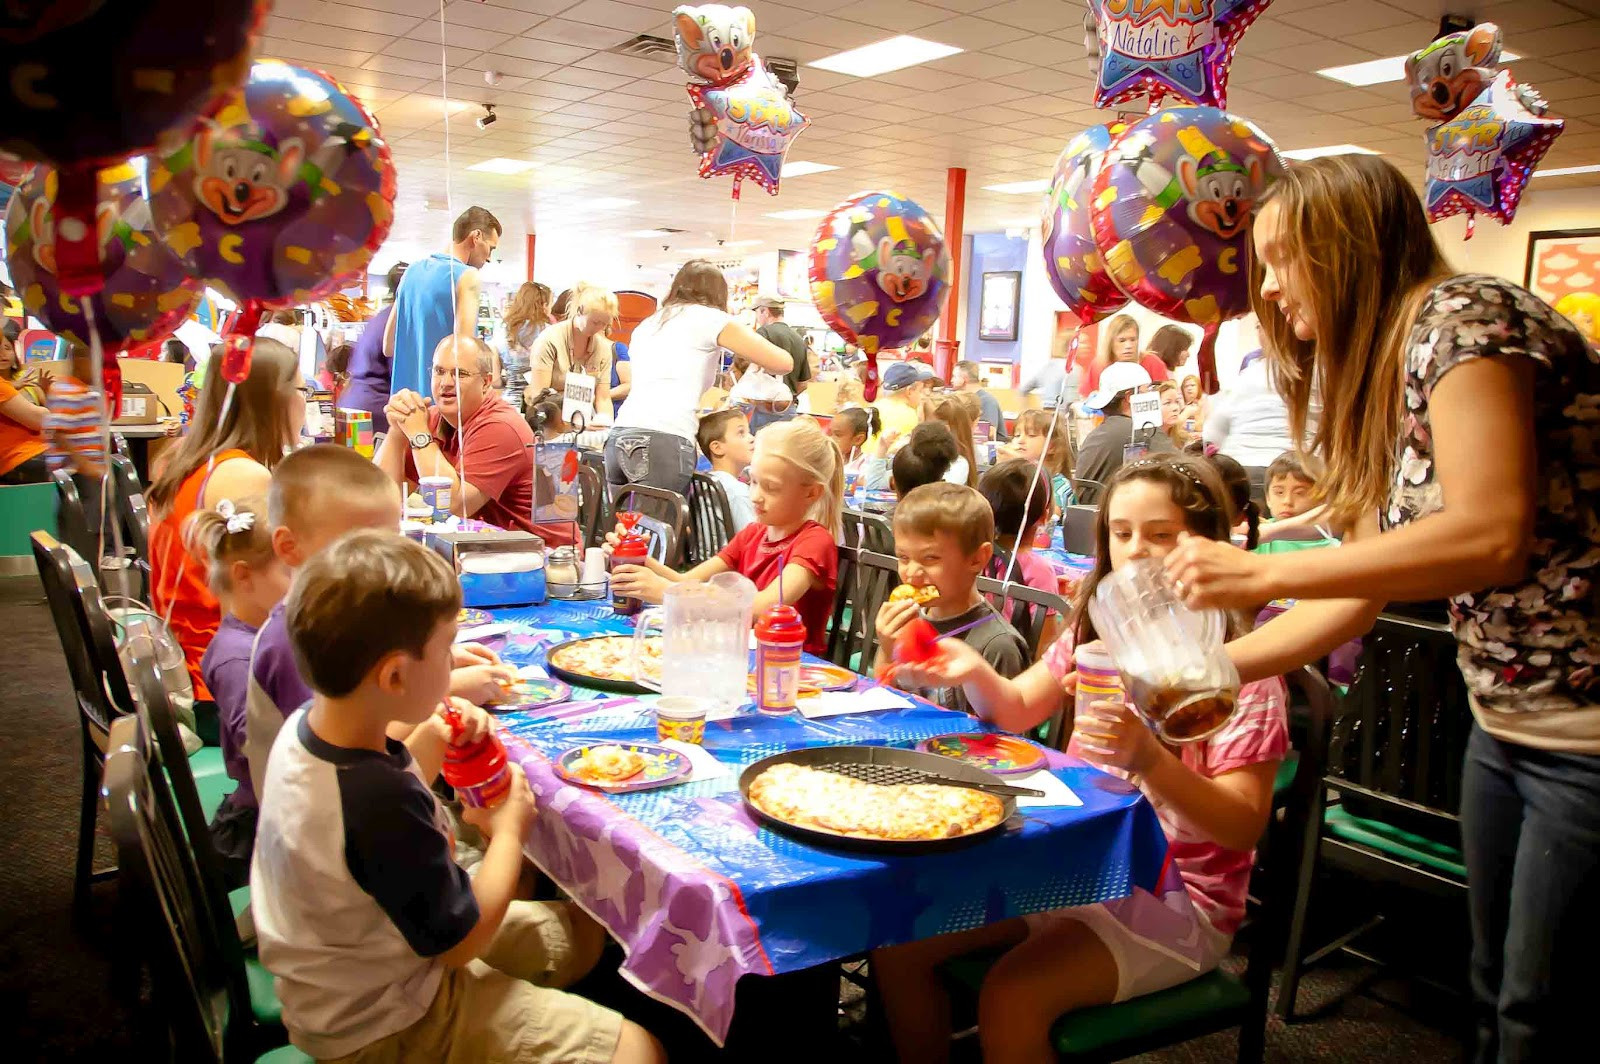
1001	754
533	692
816	677
662	766
471	618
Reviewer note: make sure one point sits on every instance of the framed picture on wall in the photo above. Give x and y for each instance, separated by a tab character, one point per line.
1562	262
998	318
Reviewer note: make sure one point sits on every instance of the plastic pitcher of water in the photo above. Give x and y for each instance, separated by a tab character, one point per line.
705	639
1173	665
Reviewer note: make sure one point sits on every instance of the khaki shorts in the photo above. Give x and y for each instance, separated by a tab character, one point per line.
505	1007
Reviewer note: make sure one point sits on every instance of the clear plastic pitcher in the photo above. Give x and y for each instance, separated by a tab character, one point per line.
1171	658
705	632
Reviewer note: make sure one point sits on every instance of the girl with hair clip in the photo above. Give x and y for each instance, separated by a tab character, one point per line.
796	490
1213	798
1416	367
851	428
234	543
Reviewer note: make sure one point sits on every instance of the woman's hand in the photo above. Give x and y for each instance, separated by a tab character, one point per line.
1206	572
956	664
482	683
1113	735
640	582
886	442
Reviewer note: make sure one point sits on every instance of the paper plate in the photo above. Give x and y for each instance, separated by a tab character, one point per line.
662	766
816	677
532	692
1003	755
471	618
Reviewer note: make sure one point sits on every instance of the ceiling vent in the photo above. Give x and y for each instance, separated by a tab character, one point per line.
645	46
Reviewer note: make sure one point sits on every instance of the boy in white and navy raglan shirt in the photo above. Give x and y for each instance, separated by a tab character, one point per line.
367	924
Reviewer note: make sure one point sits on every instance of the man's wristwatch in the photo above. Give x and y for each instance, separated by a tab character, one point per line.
419	440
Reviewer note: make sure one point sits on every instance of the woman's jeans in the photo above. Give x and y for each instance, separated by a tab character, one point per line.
654	459
1530	828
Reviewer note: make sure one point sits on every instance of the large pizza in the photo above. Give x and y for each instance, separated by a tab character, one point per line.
827	801
608	657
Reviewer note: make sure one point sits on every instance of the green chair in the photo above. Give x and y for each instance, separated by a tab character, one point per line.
1394	767
1216	1001
219	998
24	510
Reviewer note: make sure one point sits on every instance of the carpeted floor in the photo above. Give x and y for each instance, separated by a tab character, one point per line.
56	1002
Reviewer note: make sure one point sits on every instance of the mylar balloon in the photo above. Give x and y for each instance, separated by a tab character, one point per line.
713	42
1171	213
1480	160
144	292
1160	48
1450	73
1071	258
284	195
755	124
93	81
879	273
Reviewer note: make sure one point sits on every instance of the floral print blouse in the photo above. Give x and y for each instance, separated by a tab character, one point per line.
1528	650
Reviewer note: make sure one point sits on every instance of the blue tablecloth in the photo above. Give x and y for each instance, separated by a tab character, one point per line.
699	894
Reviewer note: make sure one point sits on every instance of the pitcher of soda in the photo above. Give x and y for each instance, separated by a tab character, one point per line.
705	639
1173	665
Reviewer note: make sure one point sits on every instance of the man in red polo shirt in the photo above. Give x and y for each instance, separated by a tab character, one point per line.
499	446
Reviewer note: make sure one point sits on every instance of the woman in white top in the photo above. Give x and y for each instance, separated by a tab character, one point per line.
675	354
1250	422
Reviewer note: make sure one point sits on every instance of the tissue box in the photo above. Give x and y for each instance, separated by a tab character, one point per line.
353	428
496	567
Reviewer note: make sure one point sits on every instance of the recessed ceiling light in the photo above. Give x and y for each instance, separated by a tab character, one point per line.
503	165
1327	149
1567	171
896	53
796	215
608	203
801	168
646	234
1018	188
1378	71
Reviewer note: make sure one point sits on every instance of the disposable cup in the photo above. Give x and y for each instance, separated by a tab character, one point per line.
682	717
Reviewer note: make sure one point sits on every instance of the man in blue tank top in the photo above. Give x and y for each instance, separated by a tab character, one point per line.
438	296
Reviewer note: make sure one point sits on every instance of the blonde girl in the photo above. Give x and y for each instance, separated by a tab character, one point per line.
797	493
1213	798
233	541
578	345
1119	342
1033	426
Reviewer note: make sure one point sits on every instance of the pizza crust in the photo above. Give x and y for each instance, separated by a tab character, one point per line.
608	658
827	801
920	595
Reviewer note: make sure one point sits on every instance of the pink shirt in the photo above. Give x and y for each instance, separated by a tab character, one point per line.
1216	878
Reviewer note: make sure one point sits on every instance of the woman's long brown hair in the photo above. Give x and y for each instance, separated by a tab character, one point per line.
953	414
530	306
257	422
699	283
1353	241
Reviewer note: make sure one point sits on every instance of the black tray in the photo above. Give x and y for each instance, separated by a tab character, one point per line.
874	764
594	683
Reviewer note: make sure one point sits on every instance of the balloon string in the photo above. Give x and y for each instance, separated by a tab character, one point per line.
1472	224
455	301
1038	469
98	383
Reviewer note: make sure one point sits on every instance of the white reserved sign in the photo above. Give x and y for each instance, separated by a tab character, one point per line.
1145	408
577	405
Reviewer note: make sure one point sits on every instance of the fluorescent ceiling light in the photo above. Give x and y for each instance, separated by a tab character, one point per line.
608	203
896	53
744	243
796	215
1327	149
801	168
503	165
645	234
1567	171
1018	188
1378	71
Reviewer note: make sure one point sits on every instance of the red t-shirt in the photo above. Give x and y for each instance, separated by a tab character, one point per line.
751	553
1152	365
499	463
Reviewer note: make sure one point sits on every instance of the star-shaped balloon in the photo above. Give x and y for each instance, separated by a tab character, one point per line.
755	124
1480	161
1159	48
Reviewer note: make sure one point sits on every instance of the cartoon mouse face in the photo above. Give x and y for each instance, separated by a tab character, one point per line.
714	40
240	183
43	223
1448	74
1221	195
902	273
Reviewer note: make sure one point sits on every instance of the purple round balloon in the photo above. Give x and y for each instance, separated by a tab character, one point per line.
879	270
284	195
1071	259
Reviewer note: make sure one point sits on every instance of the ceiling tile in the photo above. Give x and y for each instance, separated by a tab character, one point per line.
1041	16
1343	16
488	17
900	16
589	79
981	64
510	66
589	37
316	55
399	7
831	33
1267	33
424	51
971	33
537	7
617	16
544	51
410	68
626	65
1513	18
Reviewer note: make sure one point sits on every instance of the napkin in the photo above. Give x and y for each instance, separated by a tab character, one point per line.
1056	793
836	703
706	767
533	672
480	632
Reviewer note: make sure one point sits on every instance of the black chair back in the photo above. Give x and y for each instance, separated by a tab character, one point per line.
1077	529
1027	608
844	625
1401	732
877	576
1087	491
131	507
592	507
55	573
710	518
668	509
71	519
867	531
